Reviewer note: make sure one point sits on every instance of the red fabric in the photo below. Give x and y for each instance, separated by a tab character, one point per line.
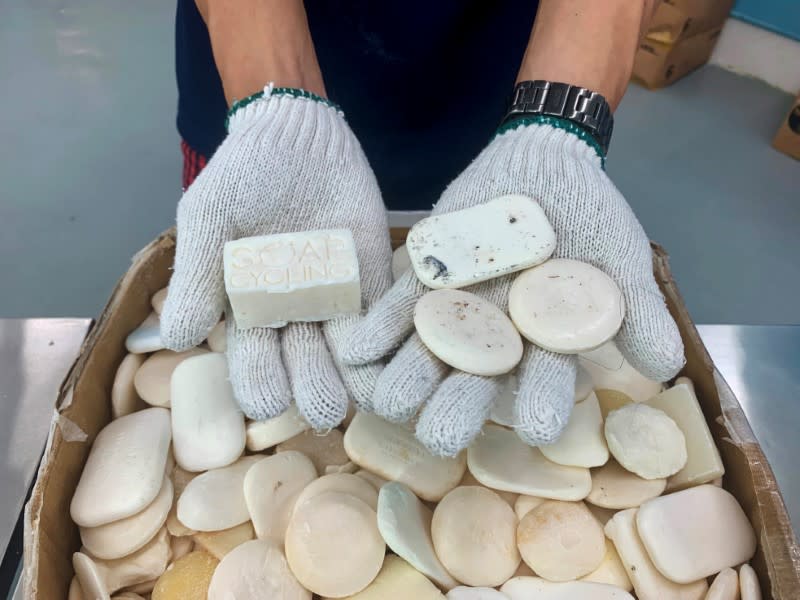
193	163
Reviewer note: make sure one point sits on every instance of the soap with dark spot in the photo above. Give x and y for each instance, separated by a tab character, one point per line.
502	236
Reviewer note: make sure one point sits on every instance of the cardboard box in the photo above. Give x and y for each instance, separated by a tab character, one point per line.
680	19
787	140
657	64
83	409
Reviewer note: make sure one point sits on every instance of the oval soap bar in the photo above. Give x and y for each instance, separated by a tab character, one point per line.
152	380
467	332
124	470
566	306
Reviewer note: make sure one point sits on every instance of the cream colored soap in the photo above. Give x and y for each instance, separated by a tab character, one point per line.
158	299
748	583
695	533
304	276
495	238
500	460
180	479
526	504
393	452
647	581
618	488
398	580
346	483
271	488
561	541
509	497
725	586
467	332
473	532
645	441
611	570
566	306
124	399
99	578
187	579
123	537
614	380
405	525
256	570
271	432
146	337
124	470
214	500
218	338
219	543
152	380
207	423
703	463
534	588
323	450
582	443
333	545
400	262
463	592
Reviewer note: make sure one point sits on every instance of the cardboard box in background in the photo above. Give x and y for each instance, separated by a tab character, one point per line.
82	409
680	19
658	64
787	140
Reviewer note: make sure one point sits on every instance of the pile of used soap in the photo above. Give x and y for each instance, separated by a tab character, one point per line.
181	498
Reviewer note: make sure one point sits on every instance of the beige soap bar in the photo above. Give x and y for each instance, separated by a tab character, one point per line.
695	533
271	432
611	570
219	543
501	236
397	580
748	583
648	582
304	276
499	459
394	453
534	588
582	443
187	578
618	488
124	399
703	463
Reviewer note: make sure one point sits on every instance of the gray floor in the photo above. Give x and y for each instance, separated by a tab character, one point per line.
90	167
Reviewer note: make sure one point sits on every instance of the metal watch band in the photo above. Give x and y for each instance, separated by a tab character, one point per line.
581	106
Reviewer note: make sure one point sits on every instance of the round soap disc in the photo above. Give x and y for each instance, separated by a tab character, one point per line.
255	570
618	488
566	306
467	332
561	541
346	483
645	441
333	545
474	534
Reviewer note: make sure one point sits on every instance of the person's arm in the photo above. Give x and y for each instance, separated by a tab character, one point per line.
586	43
258	41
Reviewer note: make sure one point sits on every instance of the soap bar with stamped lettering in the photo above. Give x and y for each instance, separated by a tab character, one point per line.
457	249
306	276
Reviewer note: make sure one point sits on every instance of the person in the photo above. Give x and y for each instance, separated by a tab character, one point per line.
281	102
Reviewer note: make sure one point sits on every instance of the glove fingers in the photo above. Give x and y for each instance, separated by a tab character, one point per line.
360	380
546	395
388	323
318	390
257	374
407	381
456	413
649	338
196	296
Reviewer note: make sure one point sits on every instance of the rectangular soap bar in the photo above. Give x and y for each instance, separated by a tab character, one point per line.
305	276
703	462
457	249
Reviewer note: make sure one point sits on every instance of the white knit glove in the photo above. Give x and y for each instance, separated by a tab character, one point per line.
557	165
290	163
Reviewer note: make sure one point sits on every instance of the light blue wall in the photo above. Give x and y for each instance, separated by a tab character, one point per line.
781	16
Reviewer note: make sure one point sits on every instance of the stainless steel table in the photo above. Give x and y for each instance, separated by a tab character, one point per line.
761	364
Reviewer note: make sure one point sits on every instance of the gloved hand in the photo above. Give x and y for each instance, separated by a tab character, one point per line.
289	163
557	164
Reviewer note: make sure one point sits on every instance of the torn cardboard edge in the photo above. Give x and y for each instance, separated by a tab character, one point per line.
50	537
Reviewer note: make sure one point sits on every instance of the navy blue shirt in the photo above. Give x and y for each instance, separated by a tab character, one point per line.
422	84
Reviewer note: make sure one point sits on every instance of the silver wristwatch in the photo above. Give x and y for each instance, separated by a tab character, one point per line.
583	107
